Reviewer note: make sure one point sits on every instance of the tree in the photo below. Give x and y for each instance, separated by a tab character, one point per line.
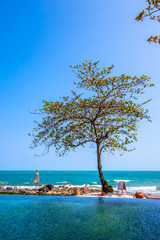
152	11
107	117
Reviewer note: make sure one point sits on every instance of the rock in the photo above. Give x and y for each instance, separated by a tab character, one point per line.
34	190
53	192
22	191
29	192
49	192
92	190
43	189
50	186
58	193
84	188
63	193
73	191
40	192
49	189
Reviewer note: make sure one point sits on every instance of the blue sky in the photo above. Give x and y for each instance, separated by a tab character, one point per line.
40	39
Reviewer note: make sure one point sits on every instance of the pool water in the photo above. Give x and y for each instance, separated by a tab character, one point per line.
50	217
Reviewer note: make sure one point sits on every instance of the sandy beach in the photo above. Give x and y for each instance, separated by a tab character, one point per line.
109	195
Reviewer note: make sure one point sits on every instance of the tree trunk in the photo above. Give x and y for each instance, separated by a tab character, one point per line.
105	187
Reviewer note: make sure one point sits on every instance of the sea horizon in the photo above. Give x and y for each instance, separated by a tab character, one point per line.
86	170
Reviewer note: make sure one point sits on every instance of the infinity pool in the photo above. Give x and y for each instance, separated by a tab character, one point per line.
49	217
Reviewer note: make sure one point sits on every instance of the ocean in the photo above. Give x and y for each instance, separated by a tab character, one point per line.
146	181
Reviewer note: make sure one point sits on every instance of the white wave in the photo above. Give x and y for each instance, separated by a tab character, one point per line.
146	189
22	187
122	180
94	182
84	185
62	182
96	186
1	182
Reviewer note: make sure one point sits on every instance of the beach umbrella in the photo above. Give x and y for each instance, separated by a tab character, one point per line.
36	178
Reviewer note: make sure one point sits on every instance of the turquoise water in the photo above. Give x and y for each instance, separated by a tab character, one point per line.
48	217
147	181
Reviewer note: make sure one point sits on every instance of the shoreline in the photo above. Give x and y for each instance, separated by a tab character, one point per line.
66	190
154	190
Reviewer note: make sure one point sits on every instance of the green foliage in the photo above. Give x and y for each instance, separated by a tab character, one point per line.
151	11
108	116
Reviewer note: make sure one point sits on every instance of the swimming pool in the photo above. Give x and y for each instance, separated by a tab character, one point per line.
50	217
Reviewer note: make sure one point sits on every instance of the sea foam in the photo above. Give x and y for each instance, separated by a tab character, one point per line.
146	189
